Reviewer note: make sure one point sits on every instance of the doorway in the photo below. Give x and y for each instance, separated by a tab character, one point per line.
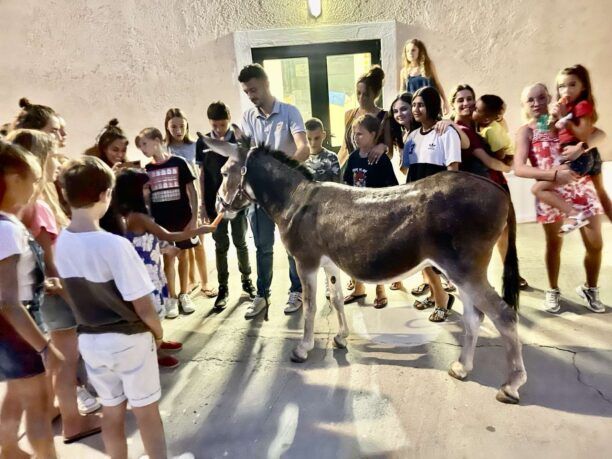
319	79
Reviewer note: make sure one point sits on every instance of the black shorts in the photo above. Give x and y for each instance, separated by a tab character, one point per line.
17	358
188	243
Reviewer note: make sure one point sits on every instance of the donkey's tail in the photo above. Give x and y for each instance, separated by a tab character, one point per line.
511	268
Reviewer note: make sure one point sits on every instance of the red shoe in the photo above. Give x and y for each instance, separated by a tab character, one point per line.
171	346
167	361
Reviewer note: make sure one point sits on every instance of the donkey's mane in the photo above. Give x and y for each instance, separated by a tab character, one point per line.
283	158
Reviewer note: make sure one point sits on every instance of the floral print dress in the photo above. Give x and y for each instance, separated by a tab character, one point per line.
148	248
544	154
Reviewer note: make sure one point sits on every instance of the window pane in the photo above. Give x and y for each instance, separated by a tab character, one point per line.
290	82
342	74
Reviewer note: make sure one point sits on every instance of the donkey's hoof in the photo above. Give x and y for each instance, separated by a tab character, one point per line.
297	358
504	396
457	371
340	342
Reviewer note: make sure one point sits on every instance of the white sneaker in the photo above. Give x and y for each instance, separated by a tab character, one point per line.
591	296
294	303
255	307
86	402
552	300
172	310
185	303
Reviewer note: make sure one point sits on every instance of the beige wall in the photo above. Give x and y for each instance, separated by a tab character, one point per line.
133	59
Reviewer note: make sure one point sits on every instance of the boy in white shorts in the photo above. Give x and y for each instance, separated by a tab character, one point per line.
110	294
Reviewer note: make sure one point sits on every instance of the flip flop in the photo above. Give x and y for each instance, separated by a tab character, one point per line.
353	298
81	435
425	304
420	290
380	303
396	286
210	292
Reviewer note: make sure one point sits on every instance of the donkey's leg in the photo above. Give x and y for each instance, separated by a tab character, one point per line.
336	298
309	301
472	318
505	320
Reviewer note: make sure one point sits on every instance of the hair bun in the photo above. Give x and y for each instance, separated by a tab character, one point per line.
113	123
24	102
377	73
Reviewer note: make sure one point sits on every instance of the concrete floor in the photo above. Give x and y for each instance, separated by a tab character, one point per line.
237	395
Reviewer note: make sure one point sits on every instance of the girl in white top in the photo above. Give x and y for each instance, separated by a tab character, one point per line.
24	350
426	153
179	144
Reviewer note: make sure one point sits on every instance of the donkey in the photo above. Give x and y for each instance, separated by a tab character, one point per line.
450	221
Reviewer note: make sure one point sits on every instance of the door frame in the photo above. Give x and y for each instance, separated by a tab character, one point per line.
386	32
317	69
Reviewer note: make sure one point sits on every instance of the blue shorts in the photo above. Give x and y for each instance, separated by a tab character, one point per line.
17	358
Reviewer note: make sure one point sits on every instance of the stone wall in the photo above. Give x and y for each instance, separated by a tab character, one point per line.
98	59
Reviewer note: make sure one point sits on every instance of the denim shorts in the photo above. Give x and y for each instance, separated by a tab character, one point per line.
17	358
56	314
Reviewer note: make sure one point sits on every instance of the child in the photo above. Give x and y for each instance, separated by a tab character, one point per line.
427	153
56	315
145	234
179	144
360	173
210	181
489	118
110	292
174	204
24	350
322	163
577	127
574	115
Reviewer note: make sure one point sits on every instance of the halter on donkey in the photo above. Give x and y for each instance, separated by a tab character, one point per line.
451	221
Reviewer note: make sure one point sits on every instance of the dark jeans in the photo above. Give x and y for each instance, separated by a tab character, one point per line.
222	244
262	227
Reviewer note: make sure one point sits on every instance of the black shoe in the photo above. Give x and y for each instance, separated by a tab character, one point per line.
221	300
247	287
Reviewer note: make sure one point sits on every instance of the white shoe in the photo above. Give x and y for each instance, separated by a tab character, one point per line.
172	310
294	303
552	300
86	402
185	303
255	307
591	296
574	222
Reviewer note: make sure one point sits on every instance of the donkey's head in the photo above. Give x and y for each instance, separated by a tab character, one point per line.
234	194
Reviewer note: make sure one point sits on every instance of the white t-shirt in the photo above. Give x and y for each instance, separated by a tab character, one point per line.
14	241
103	274
432	148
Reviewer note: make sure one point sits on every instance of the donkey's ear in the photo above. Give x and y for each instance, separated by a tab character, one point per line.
221	147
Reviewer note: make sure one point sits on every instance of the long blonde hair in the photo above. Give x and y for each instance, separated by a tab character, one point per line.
42	145
424	63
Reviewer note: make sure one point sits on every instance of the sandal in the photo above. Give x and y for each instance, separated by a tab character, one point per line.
439	315
420	290
425	304
380	303
210	292
523	284
396	286
350	285
448	287
575	222
82	435
352	298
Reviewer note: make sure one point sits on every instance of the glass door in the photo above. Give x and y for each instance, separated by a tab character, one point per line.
319	79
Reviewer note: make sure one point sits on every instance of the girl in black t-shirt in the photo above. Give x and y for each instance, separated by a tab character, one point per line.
360	173
174	204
